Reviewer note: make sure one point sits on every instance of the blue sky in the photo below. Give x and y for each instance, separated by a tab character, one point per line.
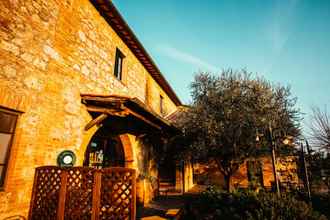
286	41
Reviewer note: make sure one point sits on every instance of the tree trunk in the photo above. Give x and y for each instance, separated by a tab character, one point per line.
228	185
226	176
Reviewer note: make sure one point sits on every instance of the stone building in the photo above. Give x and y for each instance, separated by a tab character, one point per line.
258	173
253	173
73	76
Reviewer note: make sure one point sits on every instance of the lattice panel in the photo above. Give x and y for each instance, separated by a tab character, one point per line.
79	193
116	194
67	194
46	193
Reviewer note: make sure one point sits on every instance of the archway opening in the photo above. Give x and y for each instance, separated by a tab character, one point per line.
105	150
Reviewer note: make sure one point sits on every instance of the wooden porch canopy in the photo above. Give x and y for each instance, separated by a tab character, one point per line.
123	114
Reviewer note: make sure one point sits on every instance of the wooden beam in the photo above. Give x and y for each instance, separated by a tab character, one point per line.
96	195
102	110
133	193
62	196
143	119
96	121
114	112
120	111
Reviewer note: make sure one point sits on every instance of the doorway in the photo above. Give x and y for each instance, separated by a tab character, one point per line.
104	151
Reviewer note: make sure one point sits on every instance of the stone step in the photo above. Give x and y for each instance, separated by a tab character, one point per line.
166	184
155	217
171	214
174	214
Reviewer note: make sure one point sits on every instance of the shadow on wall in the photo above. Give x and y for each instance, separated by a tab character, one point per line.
209	174
147	179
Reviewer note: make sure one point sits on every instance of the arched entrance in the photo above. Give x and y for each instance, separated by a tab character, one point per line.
106	149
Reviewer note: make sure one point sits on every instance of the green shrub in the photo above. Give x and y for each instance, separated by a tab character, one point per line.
216	204
321	203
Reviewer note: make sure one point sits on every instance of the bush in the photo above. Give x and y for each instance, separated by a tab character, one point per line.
215	204
321	203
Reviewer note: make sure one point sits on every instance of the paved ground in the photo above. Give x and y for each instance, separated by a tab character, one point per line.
162	204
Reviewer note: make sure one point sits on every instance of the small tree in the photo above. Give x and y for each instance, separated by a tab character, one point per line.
319	166
226	113
320	129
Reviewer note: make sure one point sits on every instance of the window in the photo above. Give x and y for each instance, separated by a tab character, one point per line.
7	128
119	64
161	104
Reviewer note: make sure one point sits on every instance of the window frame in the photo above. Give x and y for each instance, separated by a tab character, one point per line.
118	71
3	175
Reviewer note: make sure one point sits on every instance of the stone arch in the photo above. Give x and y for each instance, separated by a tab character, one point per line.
128	150
125	141
87	137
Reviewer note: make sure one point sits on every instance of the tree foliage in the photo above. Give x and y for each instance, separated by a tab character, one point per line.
319	168
227	112
320	129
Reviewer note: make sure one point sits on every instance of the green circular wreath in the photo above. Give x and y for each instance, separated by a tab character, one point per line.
66	159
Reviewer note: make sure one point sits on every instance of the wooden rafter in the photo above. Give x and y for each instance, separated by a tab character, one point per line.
122	106
96	121
144	119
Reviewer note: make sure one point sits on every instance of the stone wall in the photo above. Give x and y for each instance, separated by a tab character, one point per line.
184	175
286	169
147	171
51	52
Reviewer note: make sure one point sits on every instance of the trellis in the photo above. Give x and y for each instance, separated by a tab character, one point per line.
83	193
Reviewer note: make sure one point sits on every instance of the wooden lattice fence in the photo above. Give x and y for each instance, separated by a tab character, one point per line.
83	193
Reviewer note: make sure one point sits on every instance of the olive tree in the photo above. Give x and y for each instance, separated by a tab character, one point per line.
226	113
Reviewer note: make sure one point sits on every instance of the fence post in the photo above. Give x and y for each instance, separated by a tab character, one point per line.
34	189
96	195
62	196
133	193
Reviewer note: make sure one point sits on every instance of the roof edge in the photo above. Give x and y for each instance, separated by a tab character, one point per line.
110	13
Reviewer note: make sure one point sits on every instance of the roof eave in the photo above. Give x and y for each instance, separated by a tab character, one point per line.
109	12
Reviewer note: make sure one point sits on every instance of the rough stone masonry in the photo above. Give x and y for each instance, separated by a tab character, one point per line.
51	52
